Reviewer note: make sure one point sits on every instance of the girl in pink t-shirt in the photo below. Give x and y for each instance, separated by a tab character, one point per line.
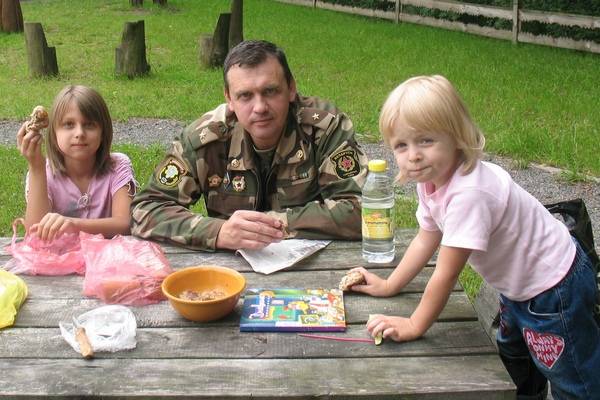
81	186
473	211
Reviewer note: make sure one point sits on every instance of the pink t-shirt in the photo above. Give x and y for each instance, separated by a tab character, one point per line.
66	198
518	246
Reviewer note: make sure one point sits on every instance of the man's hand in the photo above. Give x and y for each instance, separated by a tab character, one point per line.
249	230
53	225
374	285
29	143
398	329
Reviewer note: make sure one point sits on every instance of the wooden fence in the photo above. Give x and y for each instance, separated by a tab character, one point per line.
516	14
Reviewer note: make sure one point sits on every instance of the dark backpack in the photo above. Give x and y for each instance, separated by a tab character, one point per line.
574	215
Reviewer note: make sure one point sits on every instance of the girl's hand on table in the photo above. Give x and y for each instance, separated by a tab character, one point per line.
53	225
374	285
399	329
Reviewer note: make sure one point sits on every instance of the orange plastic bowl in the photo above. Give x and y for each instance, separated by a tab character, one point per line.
199	279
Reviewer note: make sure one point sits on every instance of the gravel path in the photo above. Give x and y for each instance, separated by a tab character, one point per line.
541	181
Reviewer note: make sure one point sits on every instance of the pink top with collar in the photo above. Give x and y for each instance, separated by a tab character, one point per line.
518	246
66	198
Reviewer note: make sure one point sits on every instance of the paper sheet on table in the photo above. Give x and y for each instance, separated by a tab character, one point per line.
281	255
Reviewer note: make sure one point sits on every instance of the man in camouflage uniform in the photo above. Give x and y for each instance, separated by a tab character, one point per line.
270	164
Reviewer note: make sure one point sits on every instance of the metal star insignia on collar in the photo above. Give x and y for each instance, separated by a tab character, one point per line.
315	116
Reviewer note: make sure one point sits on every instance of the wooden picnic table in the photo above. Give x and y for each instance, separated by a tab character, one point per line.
178	358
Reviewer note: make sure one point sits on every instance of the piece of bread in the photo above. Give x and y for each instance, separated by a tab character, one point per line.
379	337
38	119
350	279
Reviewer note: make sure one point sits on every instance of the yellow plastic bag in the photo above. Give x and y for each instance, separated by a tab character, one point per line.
13	292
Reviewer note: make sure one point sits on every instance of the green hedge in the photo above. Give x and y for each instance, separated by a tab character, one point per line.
585	7
367	4
498	23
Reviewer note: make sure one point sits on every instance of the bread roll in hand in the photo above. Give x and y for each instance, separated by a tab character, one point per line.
350	279
38	119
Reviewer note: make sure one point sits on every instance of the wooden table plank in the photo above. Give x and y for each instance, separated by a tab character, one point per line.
226	342
4	241
48	312
402	239
346	254
70	286
461	377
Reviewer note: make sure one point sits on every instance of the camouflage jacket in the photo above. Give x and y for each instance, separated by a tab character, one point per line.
314	184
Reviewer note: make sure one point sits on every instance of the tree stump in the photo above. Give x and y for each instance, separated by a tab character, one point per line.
130	57
40	57
136	3
214	50
11	17
221	38
205	44
236	24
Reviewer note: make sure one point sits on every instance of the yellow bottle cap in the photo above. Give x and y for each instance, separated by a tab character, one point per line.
377	165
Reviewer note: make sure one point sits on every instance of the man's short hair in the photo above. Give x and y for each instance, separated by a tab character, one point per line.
251	53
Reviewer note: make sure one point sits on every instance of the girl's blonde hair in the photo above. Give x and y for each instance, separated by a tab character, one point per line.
432	104
92	106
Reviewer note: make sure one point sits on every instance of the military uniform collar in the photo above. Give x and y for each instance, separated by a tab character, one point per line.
241	149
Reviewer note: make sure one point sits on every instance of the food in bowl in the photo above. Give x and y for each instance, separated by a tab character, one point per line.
202	296
204	280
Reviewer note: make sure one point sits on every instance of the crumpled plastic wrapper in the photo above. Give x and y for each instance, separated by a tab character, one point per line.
109	328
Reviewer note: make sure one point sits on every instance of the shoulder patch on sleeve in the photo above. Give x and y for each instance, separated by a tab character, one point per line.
210	127
346	163
315	116
170	172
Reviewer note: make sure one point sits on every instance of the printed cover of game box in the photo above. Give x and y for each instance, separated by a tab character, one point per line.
293	310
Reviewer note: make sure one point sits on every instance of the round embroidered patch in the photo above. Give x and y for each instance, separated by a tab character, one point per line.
346	163
171	173
239	183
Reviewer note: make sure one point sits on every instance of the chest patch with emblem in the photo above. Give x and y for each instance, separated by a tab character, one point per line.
346	163
238	183
170	174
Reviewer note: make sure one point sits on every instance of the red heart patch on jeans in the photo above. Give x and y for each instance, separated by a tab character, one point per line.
545	347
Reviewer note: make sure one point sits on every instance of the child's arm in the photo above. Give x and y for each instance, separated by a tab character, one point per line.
417	255
53	225
450	263
29	144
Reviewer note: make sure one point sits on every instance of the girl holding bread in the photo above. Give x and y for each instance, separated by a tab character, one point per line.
79	185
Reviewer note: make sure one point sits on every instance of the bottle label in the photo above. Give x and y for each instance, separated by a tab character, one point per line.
377	223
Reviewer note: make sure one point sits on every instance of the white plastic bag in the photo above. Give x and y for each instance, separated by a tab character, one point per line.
108	328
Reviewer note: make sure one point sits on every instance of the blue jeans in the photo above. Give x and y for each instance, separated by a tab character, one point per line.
554	336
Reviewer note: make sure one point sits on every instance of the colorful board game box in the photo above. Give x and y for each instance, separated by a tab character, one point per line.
293	310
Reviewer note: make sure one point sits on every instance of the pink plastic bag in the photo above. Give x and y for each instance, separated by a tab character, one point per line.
123	270
33	256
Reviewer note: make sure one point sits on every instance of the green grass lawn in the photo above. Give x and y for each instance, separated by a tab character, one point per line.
534	103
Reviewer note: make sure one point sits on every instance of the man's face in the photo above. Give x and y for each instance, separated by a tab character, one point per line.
260	98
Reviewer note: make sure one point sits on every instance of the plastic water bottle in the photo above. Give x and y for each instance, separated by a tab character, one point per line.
377	215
